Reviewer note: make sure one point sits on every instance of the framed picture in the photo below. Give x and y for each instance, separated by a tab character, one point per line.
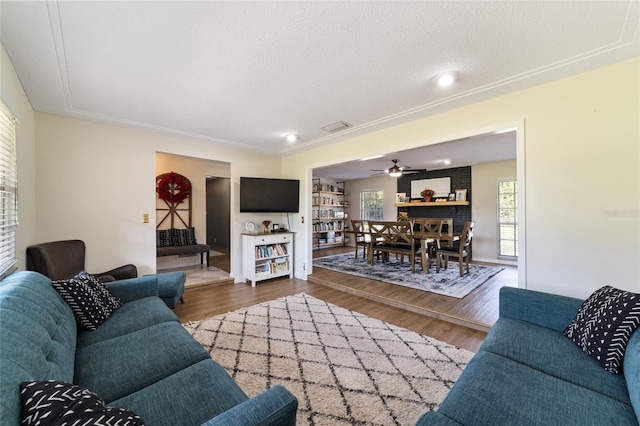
452	196
401	197
461	195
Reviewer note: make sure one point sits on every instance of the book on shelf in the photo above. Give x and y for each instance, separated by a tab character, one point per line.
272	250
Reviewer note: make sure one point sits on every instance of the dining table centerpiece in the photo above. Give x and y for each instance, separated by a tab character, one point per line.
427	194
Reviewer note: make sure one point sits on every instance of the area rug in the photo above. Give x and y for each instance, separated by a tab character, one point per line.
447	282
345	368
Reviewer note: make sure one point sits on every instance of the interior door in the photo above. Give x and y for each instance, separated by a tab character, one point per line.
218	213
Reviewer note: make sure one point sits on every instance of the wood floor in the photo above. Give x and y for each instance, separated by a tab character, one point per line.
478	310
433	315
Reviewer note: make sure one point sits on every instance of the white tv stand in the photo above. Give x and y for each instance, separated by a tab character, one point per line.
266	256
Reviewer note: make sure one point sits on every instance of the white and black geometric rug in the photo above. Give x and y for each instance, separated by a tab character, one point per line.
345	368
447	282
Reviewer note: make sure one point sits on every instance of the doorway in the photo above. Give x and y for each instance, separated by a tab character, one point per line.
218	213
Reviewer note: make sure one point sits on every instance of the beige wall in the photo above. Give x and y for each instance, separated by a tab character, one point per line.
196	170
484	207
386	184
579	155
14	97
95	181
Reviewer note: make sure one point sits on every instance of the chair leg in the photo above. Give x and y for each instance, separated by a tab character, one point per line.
461	265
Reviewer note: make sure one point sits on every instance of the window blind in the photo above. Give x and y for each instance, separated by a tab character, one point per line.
8	191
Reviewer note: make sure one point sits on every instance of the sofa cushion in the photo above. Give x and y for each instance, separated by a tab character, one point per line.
38	339
494	390
207	386
550	352
91	302
631	371
603	325
132	316
142	357
56	403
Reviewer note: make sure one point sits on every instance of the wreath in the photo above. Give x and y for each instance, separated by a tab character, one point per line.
173	188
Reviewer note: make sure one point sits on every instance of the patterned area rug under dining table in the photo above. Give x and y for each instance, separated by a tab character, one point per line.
345	368
446	282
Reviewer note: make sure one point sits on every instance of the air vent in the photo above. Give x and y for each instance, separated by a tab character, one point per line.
337	127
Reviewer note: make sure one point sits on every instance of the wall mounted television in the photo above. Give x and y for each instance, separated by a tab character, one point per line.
264	195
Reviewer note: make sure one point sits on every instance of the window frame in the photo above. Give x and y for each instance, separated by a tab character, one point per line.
500	222
365	213
8	191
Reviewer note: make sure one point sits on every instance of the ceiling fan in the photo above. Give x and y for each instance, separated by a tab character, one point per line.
395	171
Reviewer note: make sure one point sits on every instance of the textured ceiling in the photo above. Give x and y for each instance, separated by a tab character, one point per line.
244	74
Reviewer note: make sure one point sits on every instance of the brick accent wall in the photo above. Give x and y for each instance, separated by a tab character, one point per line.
460	179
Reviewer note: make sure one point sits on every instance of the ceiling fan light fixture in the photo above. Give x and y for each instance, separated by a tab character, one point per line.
446	79
395	171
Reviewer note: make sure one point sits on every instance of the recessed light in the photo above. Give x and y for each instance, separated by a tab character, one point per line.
291	137
446	162
447	78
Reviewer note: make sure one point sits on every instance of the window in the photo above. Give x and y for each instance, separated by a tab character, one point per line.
8	191
508	219
371	205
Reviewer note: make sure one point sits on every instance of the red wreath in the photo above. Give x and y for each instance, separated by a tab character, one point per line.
173	188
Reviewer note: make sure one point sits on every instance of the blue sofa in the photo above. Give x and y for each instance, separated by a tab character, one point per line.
528	373
140	359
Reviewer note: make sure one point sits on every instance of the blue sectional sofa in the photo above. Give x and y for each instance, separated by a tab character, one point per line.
141	359
528	373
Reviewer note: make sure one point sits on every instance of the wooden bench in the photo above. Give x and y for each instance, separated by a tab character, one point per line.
185	250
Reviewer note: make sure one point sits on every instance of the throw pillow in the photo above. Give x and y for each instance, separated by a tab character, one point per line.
184	237
603	325
58	403
164	238
91	302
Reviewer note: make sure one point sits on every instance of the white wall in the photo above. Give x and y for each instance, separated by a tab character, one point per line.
196	170
95	181
484	207
14	97
580	159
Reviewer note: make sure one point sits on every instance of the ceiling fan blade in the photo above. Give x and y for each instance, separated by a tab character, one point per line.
412	171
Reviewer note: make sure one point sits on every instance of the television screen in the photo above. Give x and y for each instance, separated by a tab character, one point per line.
263	195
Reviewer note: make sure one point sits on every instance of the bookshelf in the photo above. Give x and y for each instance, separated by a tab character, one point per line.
329	218
266	256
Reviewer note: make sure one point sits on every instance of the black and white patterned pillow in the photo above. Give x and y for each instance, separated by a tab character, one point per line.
58	403
603	325
184	237
164	238
91	302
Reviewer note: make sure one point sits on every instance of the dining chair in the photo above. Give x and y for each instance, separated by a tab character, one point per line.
431	226
395	238
460	249
360	229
